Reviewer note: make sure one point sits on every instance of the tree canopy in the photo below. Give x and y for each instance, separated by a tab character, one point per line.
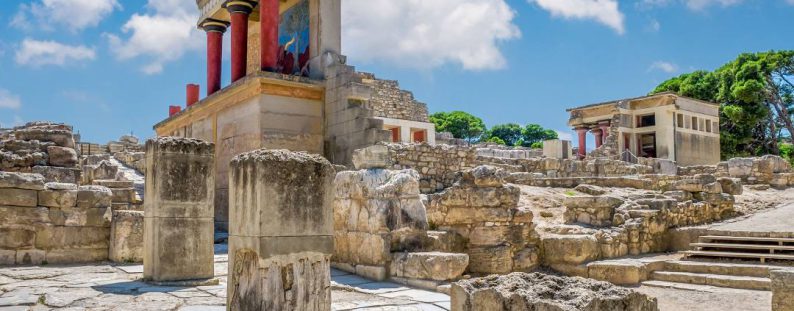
510	133
461	124
756	98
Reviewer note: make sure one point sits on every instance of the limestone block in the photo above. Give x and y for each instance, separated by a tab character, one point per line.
18	197
12	238
777	164
496	235
732	186
545	292
376	156
23	216
740	167
526	260
105	170
123	195
61	156
782	289
80	217
430	266
490	259
49	237
30	257
371	272
178	248
21	181
94	197
446	241
485	176
7	257
59	174
569	249
126	237
77	255
620	272
60	137
114	184
590	189
58	195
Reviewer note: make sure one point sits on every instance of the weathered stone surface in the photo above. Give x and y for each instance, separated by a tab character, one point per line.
376	156
60	137
569	249
782	289
178	222
280	247
732	186
21	181
535	291
485	176
591	210
58	195
430	266
59	174
590	189
94	197
61	156
18	197
11	238
126	237
620	272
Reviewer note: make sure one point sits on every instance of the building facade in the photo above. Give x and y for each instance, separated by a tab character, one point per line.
290	89
664	126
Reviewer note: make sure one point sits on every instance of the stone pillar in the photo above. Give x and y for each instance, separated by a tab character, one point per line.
782	289
215	30
598	138
582	132
239	11
192	94
280	231
268	34
604	132
178	210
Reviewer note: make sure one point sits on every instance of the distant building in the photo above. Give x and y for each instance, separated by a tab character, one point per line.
664	125
291	89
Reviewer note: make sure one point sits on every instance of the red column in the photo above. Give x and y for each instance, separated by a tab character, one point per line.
598	138
604	132
239	11
172	110
582	142
268	35
215	30
192	94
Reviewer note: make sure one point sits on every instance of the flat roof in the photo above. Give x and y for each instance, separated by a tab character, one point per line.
637	98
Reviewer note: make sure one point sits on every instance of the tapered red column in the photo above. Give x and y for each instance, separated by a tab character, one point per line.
598	138
582	132
215	30
604	131
268	35
239	11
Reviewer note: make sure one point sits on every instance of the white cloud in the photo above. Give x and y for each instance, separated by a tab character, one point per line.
39	53
606	12
8	100
664	66
564	135
654	25
702	4
790	2
75	15
162	35
428	34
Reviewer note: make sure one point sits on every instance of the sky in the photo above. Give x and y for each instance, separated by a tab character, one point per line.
112	67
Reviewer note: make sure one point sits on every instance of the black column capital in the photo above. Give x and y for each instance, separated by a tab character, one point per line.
214	25
240	6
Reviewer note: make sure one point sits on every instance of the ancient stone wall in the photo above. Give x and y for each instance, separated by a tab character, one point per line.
41	147
782	289
770	170
52	222
483	211
135	160
439	166
389	101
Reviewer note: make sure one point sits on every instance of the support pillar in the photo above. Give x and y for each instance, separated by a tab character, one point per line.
604	132
178	211
173	110
215	30
582	132
268	35
239	11
280	231
598	137
192	94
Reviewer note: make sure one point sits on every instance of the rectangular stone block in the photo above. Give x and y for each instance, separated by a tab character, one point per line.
8	257
76	255
178	248
58	237
78	217
58	198
782	289
18	197
122	195
126	237
30	257
16	238
59	174
21	181
490	260
23	216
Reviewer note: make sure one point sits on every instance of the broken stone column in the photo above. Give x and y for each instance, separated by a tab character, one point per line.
281	226
178	210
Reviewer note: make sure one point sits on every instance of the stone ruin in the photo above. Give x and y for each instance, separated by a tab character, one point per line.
536	291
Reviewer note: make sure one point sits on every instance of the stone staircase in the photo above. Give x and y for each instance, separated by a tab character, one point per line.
699	268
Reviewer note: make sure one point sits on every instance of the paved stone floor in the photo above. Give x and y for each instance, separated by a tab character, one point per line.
105	286
779	219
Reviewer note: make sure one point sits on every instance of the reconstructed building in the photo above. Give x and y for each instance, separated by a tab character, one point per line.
664	125
290	89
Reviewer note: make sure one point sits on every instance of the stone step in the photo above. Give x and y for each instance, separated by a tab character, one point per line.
707	238
745	246
731	281
760	256
681	286
717	268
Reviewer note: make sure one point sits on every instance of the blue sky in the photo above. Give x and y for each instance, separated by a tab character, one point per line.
110	67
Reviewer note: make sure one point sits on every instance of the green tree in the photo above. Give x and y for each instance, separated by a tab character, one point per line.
533	133
510	133
496	140
755	96
462	125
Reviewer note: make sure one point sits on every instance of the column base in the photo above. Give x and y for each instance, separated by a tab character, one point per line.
186	283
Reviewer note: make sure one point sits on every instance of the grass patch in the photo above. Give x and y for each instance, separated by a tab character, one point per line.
570	193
